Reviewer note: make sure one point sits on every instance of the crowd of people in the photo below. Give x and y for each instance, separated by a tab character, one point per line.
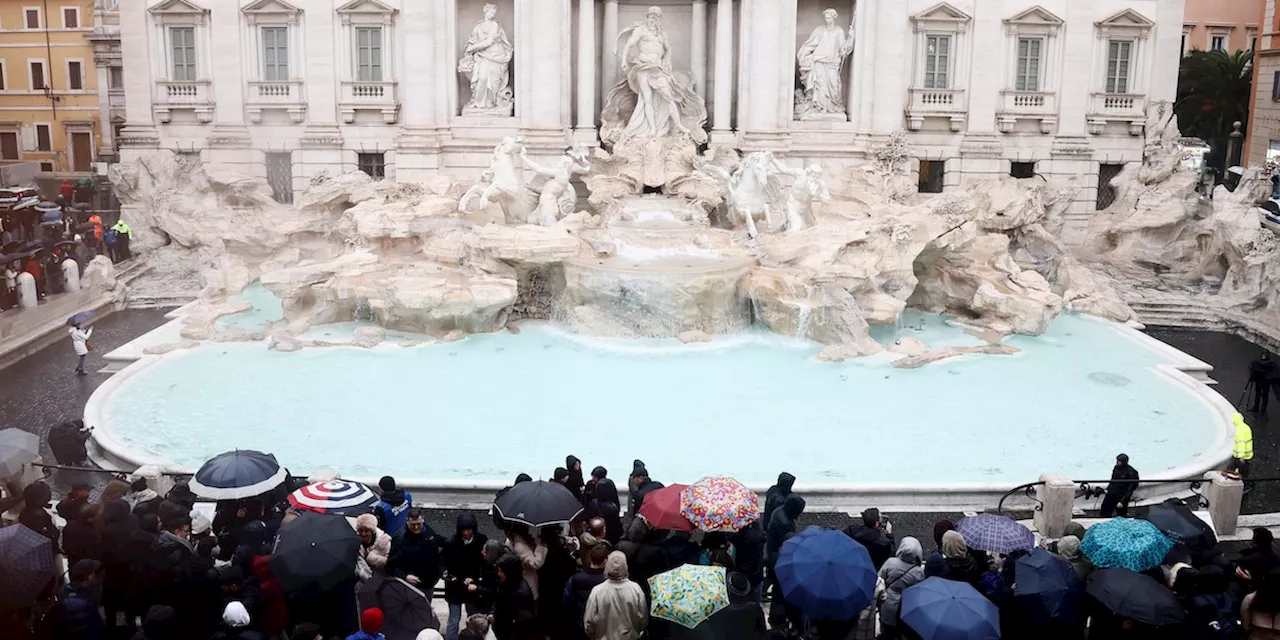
151	567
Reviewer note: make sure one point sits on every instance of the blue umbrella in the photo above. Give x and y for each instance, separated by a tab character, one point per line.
237	474
826	574
26	562
939	609
82	317
1136	545
991	532
1046	587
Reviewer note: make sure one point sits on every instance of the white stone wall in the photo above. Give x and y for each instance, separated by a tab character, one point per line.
419	126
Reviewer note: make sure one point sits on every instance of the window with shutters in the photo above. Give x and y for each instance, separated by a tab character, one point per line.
182	53
31	17
1028	67
1218	42
1275	87
44	137
4	75
275	54
75	75
36	68
9	146
1119	65
937	62
933	175
71	17
369	54
1106	192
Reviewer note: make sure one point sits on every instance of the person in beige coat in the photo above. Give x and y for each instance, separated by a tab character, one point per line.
532	555
616	609
375	546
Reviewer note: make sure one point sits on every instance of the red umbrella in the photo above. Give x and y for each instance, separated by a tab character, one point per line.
662	509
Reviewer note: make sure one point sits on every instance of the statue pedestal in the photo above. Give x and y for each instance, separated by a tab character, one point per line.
497	112
824	117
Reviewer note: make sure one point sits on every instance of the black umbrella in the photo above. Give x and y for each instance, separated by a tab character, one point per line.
1175	520
12	247
26	564
1135	596
538	503
237	474
405	608
1046	587
315	550
6	258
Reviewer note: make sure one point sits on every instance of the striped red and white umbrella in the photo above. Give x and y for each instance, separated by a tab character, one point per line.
337	497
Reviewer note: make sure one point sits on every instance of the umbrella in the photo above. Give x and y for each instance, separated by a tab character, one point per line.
1046	587
689	594
719	504
661	509
83	316
337	497
405	608
237	474
538	503
1135	596
1136	545
26	562
65	243
991	532
826	574
315	550
17	447
1176	521
939	609
6	258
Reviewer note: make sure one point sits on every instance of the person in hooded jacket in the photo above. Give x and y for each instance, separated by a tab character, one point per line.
575	483
272	611
578	589
616	608
485	589
748	555
236	624
782	525
82	538
78	617
393	507
515	615
604	504
556	570
463	564
903	570
497	517
957	562
160	623
589	489
644	485
776	494
119	527
1069	549
253	543
35	514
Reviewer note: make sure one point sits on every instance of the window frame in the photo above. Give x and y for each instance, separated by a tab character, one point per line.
381	49
17	142
4	75
62	11
278	29
1218	38
190	63
82	76
379	168
44	74
48	127
111	78
1275	87
948	59
1112	84
1020	74
40	22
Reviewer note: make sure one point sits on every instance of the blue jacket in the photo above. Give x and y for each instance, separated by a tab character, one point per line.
80	619
360	635
393	511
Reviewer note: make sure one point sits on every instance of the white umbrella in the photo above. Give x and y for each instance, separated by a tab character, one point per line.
17	447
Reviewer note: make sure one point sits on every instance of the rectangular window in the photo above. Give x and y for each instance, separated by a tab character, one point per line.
37	76
1275	87
115	78
932	175
1184	44
280	176
4	75
369	54
1022	169
275	54
1218	43
31	17
9	145
75	75
373	164
182	43
937	62
46	167
71	17
1106	192
1119	63
1028	72
44	138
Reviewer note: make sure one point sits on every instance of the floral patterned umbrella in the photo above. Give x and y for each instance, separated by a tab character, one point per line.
719	504
688	595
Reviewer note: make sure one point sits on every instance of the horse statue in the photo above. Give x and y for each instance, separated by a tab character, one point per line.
751	191
542	200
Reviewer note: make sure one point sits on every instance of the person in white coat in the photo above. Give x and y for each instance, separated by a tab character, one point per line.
80	341
616	608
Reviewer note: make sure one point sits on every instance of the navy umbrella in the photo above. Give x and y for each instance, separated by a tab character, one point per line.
238	474
82	317
940	609
826	574
1176	521
315	551
26	564
1046	587
406	608
1135	596
538	504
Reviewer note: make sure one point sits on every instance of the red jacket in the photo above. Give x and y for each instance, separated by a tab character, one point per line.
66	190
273	613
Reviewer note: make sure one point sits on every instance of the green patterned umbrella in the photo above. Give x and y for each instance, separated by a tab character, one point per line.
688	595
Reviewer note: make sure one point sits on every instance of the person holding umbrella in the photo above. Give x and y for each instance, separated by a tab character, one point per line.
80	343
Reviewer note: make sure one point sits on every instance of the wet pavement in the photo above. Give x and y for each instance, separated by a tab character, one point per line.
41	391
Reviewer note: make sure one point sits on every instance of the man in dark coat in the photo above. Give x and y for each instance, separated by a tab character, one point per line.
515	614
78	617
1120	491
1261	372
782	525
1259	559
82	538
463	563
70	505
776	494
179	577
876	534
120	539
579	587
632	507
589	489
644	485
415	554
575	484
36	497
604	505
749	544
743	619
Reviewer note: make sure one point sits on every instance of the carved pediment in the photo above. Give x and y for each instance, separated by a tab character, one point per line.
179	12
366	7
941	17
271	10
1127	22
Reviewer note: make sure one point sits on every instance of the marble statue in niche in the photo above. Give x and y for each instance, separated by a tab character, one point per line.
486	61
820	61
652	100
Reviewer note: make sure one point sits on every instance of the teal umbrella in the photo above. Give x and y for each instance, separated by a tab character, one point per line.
1136	545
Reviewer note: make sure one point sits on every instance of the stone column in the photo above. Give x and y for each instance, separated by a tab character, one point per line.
135	45
1077	53
721	131
891	70
608	55
849	85
1057	497
865	61
543	44
106	132
417	146
698	48
1224	496
324	67
586	129
227	71
767	74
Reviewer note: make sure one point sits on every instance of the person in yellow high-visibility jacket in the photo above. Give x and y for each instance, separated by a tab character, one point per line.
1242	451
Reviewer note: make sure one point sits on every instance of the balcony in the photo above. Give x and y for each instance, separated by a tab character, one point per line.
1028	105
1117	107
174	95
936	103
284	95
372	96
